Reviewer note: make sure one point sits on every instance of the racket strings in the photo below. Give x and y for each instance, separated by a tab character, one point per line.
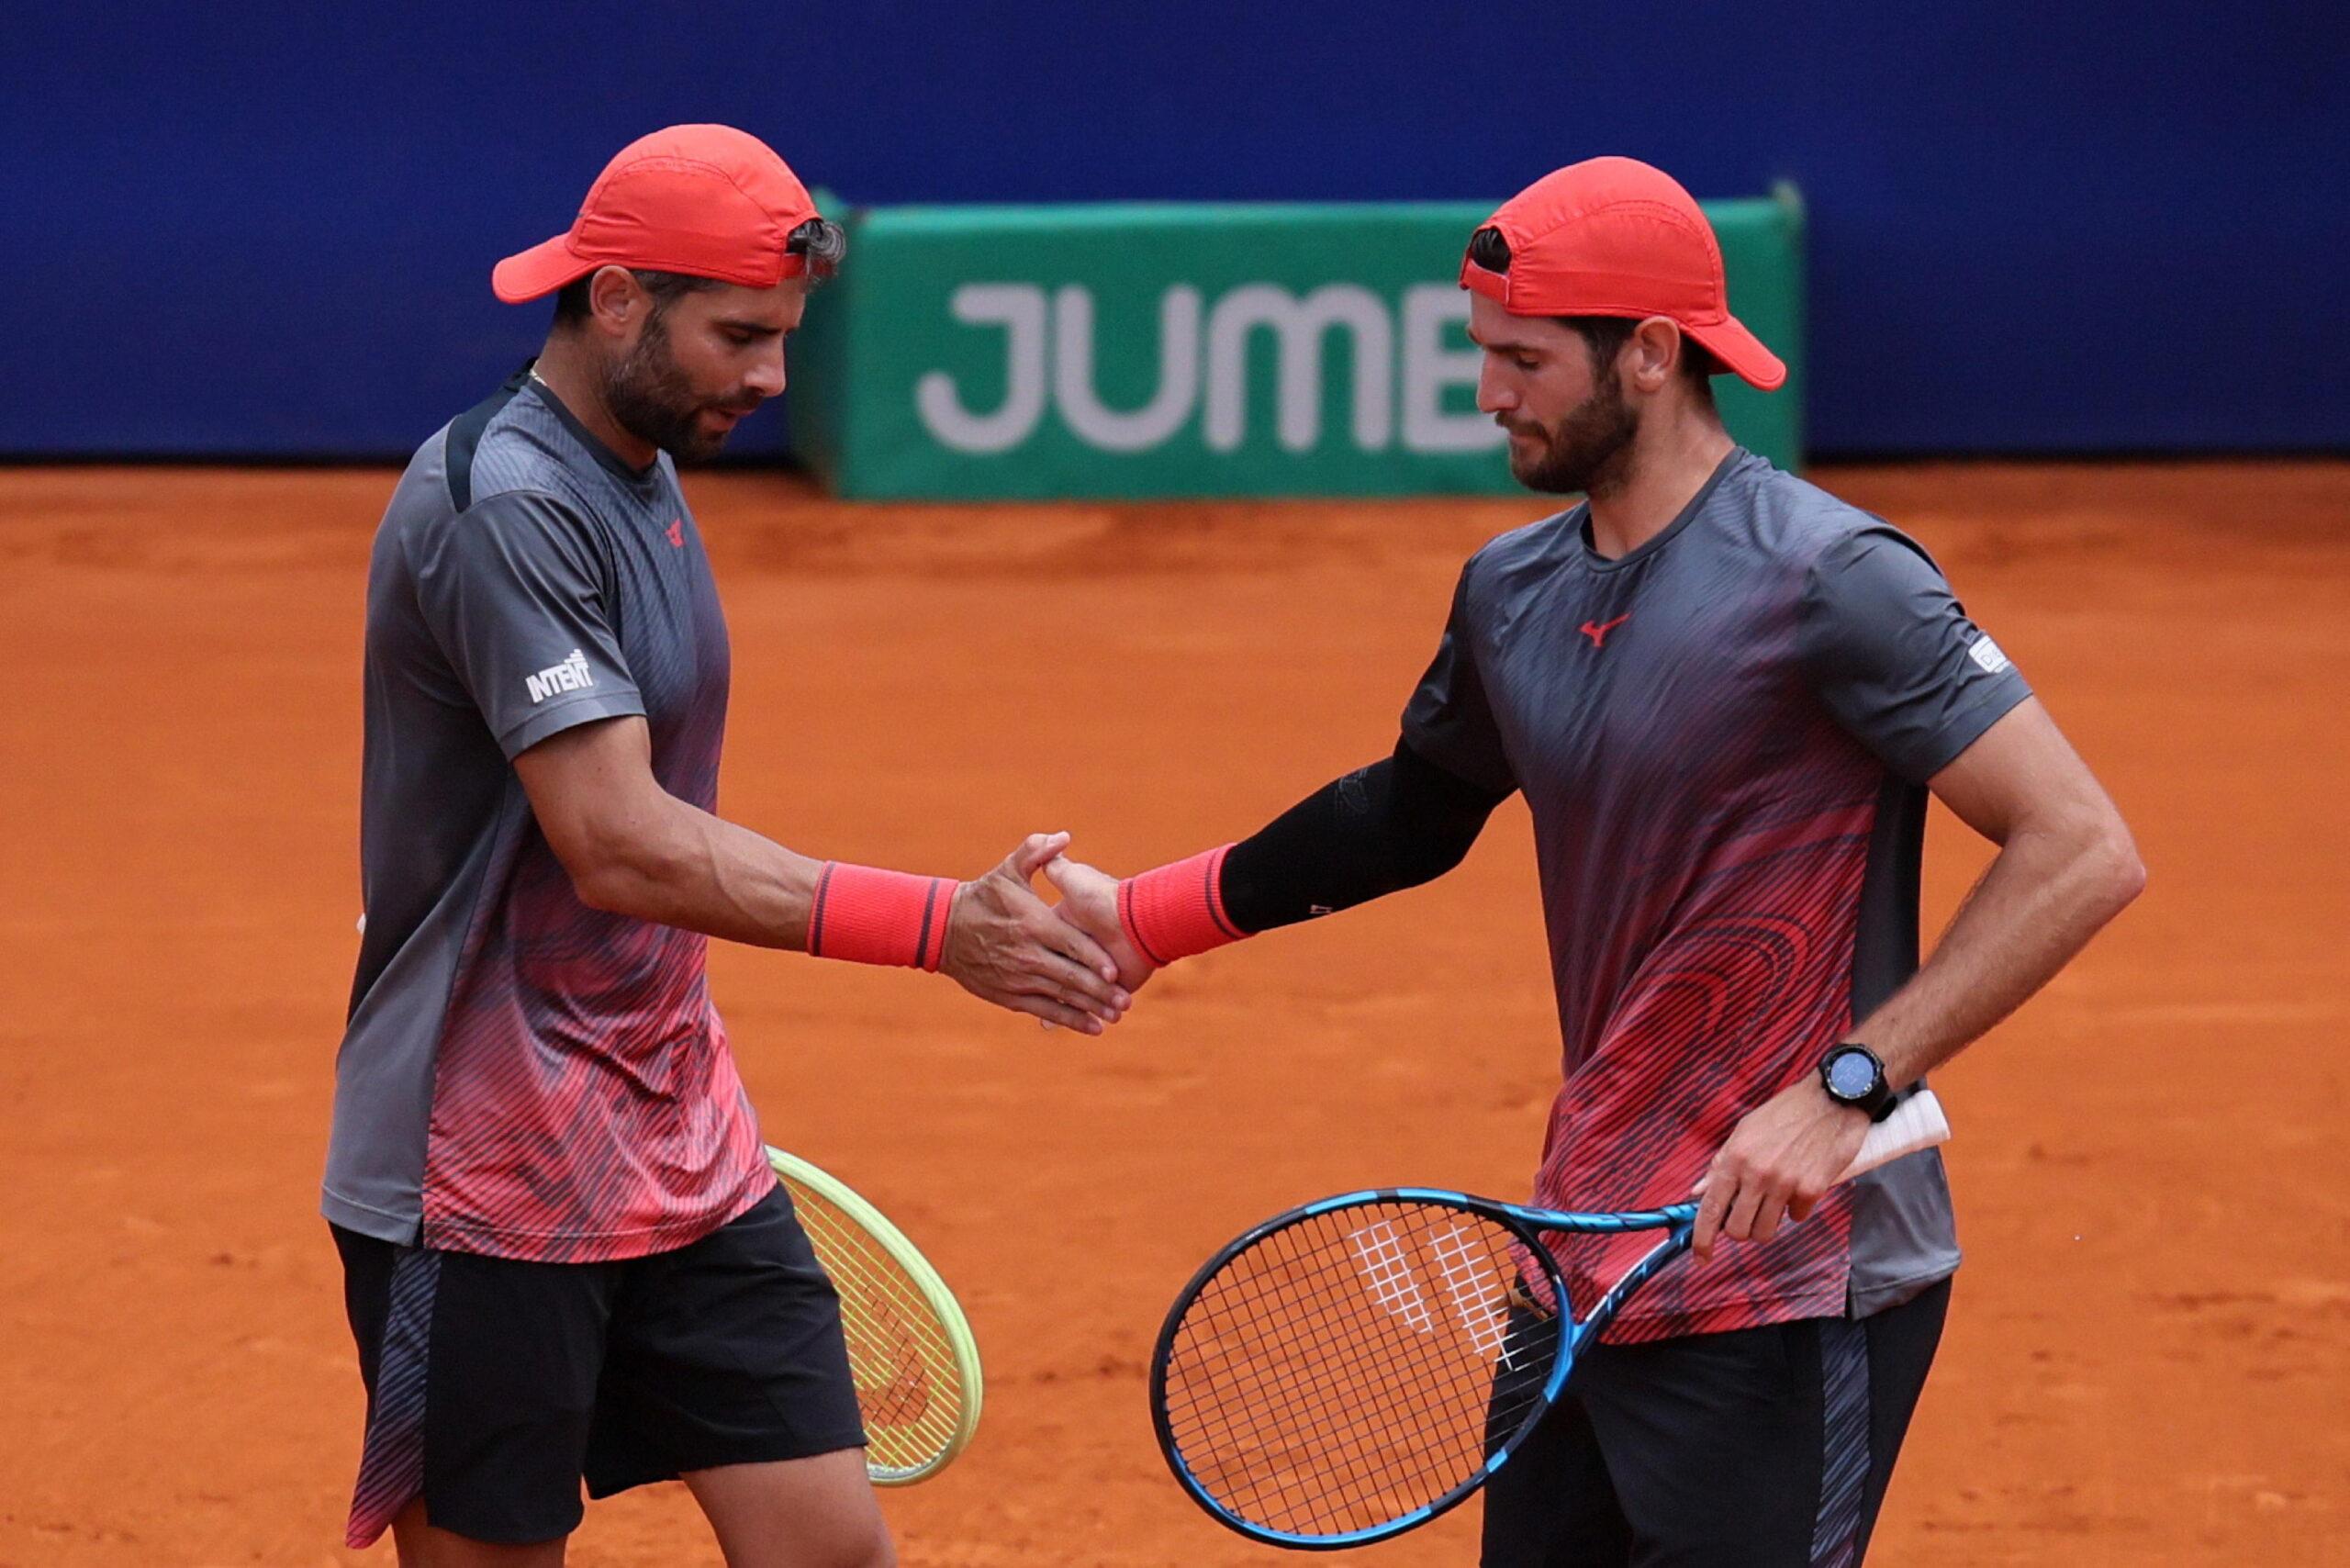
1318	1417
908	1384
896	1374
1314	1437
1318	1390
1353	1367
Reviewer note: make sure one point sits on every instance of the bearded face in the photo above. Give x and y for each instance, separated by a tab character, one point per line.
1555	387
653	395
1585	452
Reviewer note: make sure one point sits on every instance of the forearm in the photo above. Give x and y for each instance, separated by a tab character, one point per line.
2050	890
2046	894
1398	822
676	865
1394	824
632	849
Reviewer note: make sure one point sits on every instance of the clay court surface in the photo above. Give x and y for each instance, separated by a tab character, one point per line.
2150	1356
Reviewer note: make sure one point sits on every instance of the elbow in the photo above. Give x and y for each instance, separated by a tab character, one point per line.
602	887
613	874
2114	861
1433	859
2129	878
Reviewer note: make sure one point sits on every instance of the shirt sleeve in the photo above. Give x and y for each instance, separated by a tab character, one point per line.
1448	720
1895	659
514	591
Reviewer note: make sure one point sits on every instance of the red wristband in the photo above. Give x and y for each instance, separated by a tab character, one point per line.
1178	910
869	916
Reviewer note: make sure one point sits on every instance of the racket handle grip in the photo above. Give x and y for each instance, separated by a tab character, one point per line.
1917	1123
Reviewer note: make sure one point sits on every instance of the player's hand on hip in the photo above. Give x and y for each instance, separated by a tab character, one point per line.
1006	946
1779	1161
1090	903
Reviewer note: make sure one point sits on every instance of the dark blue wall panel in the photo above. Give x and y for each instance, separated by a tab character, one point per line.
267	229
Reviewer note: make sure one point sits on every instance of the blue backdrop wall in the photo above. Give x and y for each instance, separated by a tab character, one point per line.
267	229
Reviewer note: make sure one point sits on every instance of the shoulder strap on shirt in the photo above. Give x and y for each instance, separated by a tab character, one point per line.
465	432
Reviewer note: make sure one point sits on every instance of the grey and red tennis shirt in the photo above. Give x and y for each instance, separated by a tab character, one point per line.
522	1075
1723	737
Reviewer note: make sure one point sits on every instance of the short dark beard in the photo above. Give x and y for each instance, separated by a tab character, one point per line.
652	401
1590	452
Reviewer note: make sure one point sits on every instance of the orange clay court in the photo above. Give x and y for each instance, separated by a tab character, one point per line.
2149	1357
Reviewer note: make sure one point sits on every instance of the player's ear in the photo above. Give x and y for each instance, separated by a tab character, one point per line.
616	301
1649	359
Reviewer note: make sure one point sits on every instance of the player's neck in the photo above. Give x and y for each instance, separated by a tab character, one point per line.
567	367
1671	457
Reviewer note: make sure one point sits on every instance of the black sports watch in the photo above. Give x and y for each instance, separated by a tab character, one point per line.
1853	1075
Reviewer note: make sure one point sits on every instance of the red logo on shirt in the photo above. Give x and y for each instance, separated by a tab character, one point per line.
678	533
1598	635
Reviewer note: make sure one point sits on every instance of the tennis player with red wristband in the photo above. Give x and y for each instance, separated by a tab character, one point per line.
1725	695
565	1255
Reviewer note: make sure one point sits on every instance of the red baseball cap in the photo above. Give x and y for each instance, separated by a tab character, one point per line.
707	200
1614	237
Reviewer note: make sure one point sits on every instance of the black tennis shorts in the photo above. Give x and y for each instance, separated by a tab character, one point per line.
495	1386
1761	1447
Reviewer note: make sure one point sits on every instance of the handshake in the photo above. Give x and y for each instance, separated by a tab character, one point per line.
1068	963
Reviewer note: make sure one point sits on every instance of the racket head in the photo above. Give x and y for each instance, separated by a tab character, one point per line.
911	1350
1354	1367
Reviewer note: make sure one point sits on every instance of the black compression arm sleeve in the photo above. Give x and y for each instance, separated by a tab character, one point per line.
1398	823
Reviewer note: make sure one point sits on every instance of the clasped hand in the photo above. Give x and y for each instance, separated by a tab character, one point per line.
1088	934
1007	946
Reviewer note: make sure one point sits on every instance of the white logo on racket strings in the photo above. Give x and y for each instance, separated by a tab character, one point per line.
1478	1299
1393	1284
571	675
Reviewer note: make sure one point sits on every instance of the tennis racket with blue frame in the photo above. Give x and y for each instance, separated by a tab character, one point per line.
1352	1369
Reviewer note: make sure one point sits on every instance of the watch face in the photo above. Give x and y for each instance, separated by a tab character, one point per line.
1851	1075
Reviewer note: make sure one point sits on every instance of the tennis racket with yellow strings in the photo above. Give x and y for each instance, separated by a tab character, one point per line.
909	1347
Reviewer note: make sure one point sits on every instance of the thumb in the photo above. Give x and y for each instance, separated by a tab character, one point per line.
1066	875
1034	852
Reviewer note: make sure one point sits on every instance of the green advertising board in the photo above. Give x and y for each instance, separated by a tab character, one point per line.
975	352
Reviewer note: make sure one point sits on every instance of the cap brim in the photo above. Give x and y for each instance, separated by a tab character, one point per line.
538	271
1743	354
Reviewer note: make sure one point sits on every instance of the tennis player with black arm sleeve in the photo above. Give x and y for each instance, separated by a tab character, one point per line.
1724	694
566	1255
